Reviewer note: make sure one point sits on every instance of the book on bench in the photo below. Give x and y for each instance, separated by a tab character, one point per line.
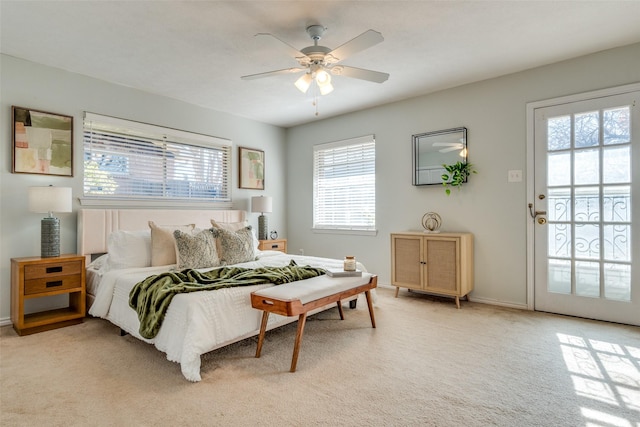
338	272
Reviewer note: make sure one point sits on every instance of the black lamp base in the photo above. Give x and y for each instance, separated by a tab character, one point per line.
50	237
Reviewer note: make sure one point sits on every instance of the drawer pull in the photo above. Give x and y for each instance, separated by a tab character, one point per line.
54	284
57	269
274	246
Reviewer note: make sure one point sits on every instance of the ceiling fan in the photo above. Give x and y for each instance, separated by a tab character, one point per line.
449	146
319	62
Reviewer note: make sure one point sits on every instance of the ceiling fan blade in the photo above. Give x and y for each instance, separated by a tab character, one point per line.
290	50
360	73
447	144
273	73
363	41
446	150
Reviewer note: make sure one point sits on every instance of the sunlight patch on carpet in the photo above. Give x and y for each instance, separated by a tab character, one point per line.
602	373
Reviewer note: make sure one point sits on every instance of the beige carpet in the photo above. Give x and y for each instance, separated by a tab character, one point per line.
425	364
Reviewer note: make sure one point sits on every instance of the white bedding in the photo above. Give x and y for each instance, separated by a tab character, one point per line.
198	322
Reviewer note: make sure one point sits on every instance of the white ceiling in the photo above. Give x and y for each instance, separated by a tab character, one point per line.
196	51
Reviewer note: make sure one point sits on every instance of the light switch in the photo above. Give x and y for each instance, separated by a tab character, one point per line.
515	176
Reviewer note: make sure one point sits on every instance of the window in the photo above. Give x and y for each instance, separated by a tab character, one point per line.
125	160
344	185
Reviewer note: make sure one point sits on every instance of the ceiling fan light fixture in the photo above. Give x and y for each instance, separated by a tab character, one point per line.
304	82
317	62
323	78
326	88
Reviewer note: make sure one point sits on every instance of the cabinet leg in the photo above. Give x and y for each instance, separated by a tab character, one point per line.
397	290
457	302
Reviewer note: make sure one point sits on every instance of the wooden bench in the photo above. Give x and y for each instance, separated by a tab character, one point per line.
298	298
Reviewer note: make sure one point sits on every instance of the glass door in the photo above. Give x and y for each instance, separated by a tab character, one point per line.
586	208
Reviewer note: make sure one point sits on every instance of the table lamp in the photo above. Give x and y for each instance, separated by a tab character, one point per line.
49	200
262	204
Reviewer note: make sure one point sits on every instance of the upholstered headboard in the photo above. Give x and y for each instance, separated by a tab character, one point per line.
95	225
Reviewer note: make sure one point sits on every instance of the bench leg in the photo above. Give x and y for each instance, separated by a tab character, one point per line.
263	328
302	319
370	304
340	310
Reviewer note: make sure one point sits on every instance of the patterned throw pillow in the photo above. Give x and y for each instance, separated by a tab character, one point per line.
235	226
234	246
197	250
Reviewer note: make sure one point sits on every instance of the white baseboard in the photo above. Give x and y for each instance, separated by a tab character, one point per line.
499	303
5	322
479	300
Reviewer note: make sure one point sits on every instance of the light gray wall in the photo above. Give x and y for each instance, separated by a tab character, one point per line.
30	85
493	111
494	210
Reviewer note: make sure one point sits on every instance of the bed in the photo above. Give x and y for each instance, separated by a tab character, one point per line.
117	245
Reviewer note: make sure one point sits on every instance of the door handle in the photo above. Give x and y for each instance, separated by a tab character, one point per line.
536	213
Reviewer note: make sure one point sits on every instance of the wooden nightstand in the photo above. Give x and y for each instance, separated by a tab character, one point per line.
36	277
273	245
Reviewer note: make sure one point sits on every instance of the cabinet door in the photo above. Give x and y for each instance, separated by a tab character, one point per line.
406	261
442	265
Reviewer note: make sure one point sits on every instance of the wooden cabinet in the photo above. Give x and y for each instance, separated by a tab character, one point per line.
36	277
438	263
273	245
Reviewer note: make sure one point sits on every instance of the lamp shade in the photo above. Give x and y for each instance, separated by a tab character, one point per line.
304	82
323	78
49	199
261	204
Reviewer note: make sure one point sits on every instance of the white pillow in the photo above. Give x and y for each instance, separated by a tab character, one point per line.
163	245
129	249
230	226
235	226
99	263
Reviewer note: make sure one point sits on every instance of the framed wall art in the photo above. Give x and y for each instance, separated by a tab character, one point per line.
251	168
42	142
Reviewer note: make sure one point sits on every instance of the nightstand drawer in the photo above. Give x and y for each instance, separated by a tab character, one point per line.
46	271
273	245
48	284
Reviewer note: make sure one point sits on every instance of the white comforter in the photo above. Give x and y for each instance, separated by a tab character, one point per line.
198	322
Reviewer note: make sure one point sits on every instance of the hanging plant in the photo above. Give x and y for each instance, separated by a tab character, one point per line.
456	175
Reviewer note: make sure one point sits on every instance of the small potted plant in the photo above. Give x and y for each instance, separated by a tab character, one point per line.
456	175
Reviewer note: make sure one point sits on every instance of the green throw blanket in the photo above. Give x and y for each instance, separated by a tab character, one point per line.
151	297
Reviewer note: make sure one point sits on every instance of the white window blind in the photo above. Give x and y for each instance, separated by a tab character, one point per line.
344	178
131	160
